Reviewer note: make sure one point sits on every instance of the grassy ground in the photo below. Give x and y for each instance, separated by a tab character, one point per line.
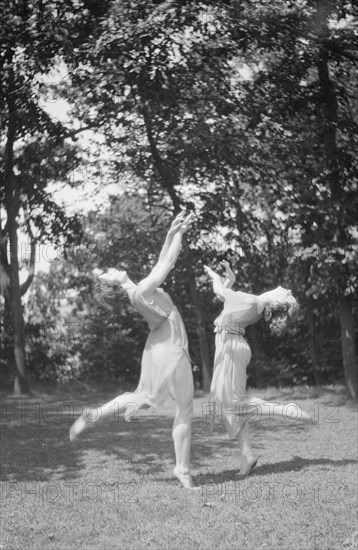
114	487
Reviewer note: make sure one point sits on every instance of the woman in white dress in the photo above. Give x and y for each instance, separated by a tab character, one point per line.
233	354
166	368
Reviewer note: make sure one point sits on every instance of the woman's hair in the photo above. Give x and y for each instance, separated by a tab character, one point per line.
277	315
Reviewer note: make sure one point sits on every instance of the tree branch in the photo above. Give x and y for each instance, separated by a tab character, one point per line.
158	162
25	286
72	133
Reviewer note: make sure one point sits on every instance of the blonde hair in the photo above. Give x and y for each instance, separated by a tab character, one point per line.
278	314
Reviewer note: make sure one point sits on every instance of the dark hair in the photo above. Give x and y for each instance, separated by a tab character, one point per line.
278	315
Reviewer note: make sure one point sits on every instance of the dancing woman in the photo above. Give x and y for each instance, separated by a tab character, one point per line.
233	354
166	368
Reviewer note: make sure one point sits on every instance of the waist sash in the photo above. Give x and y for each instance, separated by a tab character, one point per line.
237	331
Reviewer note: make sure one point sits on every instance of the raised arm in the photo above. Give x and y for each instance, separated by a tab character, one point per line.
178	220
229	275
168	258
218	285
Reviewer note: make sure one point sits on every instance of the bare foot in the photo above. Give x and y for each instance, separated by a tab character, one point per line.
306	417
247	465
78	427
185	479
129	411
291	411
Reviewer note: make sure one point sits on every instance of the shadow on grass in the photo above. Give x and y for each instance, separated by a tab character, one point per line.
38	451
296	464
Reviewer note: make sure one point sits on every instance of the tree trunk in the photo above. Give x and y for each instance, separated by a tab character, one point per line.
330	122
20	385
11	205
312	343
348	345
8	334
168	183
200	327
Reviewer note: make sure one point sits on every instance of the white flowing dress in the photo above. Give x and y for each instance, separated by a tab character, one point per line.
232	356
166	348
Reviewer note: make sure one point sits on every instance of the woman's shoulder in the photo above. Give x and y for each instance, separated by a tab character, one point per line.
158	302
238	296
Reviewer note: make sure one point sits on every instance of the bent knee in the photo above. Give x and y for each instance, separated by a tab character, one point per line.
186	411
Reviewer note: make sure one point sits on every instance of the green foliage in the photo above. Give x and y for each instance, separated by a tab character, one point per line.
77	329
245	111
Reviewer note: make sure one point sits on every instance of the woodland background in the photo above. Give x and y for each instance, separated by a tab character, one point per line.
245	112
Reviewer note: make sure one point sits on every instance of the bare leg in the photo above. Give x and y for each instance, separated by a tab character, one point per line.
239	429
248	460
129	403
184	392
255	408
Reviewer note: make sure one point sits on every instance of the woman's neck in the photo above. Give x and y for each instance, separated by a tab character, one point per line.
264	300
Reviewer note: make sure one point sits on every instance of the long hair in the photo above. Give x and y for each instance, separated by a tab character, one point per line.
278	314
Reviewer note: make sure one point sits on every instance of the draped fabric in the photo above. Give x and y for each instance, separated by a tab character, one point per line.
165	349
232	356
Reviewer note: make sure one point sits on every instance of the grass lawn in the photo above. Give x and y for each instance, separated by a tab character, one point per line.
114	487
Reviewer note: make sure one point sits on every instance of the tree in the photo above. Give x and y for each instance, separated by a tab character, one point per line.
34	37
300	100
143	75
77	329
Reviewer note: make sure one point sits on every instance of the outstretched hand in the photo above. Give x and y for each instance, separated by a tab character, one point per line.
209	271
176	223
186	223
230	276
181	223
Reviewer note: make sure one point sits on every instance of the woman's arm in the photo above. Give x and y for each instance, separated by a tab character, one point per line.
170	235
218	285
230	276
160	272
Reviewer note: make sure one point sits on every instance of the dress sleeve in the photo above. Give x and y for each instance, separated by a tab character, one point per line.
146	307
130	293
237	301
